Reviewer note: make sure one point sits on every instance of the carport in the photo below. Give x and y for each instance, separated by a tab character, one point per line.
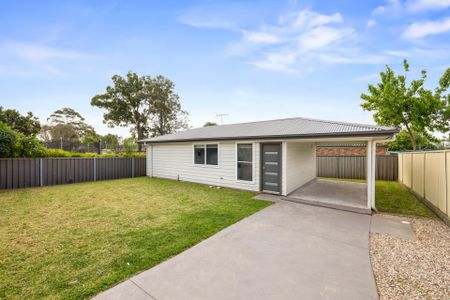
302	185
349	196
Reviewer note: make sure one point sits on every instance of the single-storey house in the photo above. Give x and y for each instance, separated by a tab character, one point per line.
275	156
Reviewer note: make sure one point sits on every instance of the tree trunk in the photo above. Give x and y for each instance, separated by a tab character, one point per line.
412	138
139	136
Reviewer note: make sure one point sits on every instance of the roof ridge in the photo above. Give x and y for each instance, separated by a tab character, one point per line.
302	118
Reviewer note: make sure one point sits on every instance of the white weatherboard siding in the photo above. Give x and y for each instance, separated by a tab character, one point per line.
300	164
175	161
149	156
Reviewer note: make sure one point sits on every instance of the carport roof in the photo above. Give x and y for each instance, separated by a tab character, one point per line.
275	129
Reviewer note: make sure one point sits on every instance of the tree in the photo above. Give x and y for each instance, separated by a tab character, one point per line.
28	125
67	129
403	142
111	141
127	103
92	139
411	107
15	144
148	105
167	115
59	132
207	124
70	117
130	145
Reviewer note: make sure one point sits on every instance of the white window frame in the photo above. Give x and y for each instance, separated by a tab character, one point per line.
253	162
205	165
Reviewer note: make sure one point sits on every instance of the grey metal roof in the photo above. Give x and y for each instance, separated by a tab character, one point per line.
272	129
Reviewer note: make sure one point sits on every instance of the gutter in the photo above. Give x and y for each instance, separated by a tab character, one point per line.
271	137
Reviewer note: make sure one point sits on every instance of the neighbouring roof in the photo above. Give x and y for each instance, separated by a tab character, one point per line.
273	129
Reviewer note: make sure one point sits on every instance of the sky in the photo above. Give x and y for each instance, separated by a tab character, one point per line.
252	60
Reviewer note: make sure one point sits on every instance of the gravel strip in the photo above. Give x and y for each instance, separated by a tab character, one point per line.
413	269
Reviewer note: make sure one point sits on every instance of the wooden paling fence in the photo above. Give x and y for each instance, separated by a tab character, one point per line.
32	172
354	166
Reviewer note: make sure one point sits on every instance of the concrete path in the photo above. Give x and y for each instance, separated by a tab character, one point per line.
286	251
393	225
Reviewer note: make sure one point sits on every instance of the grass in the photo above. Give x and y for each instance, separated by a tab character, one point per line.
392	197
73	241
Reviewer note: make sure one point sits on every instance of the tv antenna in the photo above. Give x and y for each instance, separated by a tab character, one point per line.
220	116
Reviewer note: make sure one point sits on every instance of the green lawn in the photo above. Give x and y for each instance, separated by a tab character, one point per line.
73	241
392	197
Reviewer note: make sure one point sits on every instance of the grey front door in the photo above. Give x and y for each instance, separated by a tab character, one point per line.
271	167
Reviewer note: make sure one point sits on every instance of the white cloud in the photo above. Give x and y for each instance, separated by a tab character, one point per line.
261	37
278	61
293	42
371	23
392	7
307	18
354	58
31	59
422	29
321	37
423	5
302	41
399	8
38	53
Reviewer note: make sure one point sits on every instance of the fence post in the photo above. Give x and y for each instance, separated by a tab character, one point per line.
95	168
133	166
41	182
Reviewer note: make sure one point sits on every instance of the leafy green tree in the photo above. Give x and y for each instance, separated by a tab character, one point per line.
402	142
92	139
15	144
207	124
70	117
111	141
167	115
28	125
149	105
59	132
127	103
410	106
130	145
67	129
8	141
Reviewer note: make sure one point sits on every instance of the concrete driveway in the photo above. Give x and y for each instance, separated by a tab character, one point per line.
286	251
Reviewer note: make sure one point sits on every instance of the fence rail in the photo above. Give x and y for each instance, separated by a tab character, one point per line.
32	172
354	166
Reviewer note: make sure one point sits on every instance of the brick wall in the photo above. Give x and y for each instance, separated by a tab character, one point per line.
323	151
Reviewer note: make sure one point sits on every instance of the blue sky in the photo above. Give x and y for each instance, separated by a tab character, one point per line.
252	60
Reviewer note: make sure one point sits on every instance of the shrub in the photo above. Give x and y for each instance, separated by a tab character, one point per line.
15	144
63	153
8	141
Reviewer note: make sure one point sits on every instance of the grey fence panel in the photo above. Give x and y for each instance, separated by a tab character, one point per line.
19	173
26	172
354	167
140	166
67	170
114	168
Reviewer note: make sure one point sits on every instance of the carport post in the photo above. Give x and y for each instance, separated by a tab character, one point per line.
369	173
374	168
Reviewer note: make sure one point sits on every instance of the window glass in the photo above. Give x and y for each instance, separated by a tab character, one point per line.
211	154
245	152
199	154
245	162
